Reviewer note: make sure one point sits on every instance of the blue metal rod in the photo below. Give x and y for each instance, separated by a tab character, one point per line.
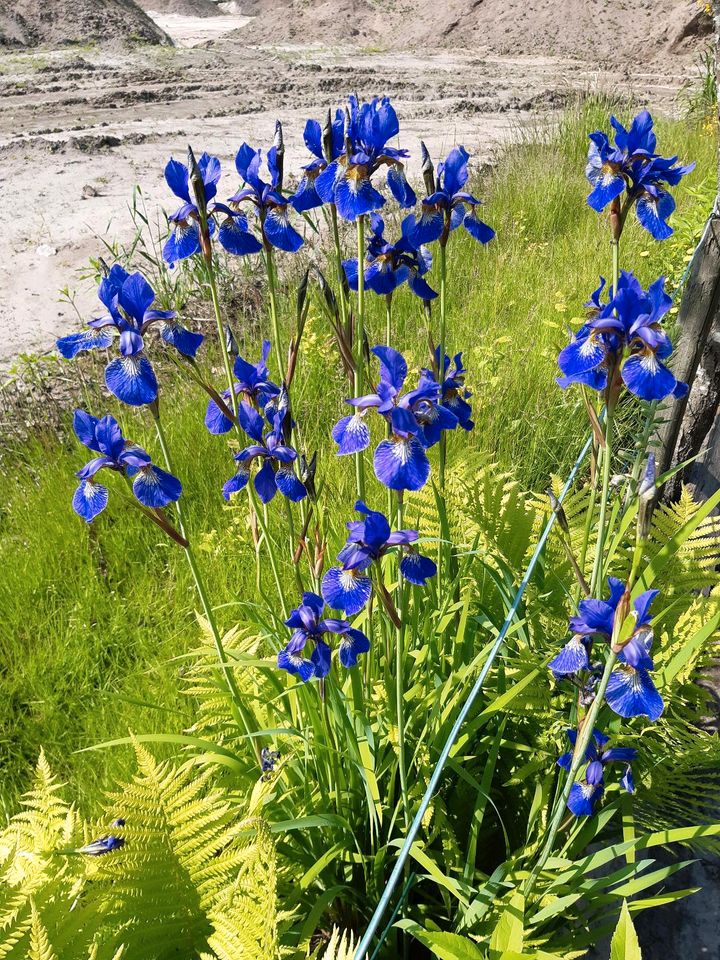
384	901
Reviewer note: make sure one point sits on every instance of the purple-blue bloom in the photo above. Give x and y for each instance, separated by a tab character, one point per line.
631	164
392	264
277	472
270	205
416	420
623	336
454	395
346	181
129	299
253	383
445	208
306	196
152	486
585	793
630	690
348	587
310	627
184	239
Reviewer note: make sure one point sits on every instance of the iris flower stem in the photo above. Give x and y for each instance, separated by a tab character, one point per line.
399	685
442	345
233	689
212	283
596	579
359	379
578	759
262	523
272	299
339	267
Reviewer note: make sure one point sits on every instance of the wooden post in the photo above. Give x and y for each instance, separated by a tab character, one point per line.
692	422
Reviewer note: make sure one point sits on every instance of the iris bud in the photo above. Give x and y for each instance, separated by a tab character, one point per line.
231	344
557	509
428	170
279	144
327	137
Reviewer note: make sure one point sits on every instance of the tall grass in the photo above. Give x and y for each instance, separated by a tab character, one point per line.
94	622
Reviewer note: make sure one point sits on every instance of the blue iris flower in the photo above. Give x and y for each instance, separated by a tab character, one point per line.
630	690
416	420
392	264
633	167
129	300
153	487
306	196
185	239
454	395
269	204
253	383
277	471
585	793
348	587
310	627
624	335
445	208
346	181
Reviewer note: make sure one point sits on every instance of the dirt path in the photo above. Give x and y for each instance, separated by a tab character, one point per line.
79	130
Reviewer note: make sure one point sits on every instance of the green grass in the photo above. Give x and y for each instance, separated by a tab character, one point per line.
94	622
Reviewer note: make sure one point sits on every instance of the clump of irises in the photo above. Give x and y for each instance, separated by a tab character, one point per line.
622	346
355	170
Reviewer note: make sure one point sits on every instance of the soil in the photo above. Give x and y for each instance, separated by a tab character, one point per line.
594	30
80	128
182	8
28	23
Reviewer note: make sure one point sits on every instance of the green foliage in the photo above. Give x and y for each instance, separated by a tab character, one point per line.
89	641
194	874
624	945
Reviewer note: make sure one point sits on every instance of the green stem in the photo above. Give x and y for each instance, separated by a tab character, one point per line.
399	685
233	689
388	320
272	299
577	761
596	579
262	523
442	346
359	379
339	268
221	338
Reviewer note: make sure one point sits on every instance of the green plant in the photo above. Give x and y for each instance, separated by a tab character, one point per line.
192	873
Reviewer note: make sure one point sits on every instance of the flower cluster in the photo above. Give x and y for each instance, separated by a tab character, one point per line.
152	486
586	792
349	586
346	181
444	209
631	691
309	627
623	342
252	382
415	419
129	299
277	472
630	166
392	264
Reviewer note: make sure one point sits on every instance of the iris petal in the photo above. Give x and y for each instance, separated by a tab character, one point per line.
132	380
346	590
89	500
401	464
154	487
646	377
632	693
351	434
417	569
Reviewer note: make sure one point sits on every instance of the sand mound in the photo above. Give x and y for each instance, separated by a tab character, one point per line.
183	8
31	22
588	29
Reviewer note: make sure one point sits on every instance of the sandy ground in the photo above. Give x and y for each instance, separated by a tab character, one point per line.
79	129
